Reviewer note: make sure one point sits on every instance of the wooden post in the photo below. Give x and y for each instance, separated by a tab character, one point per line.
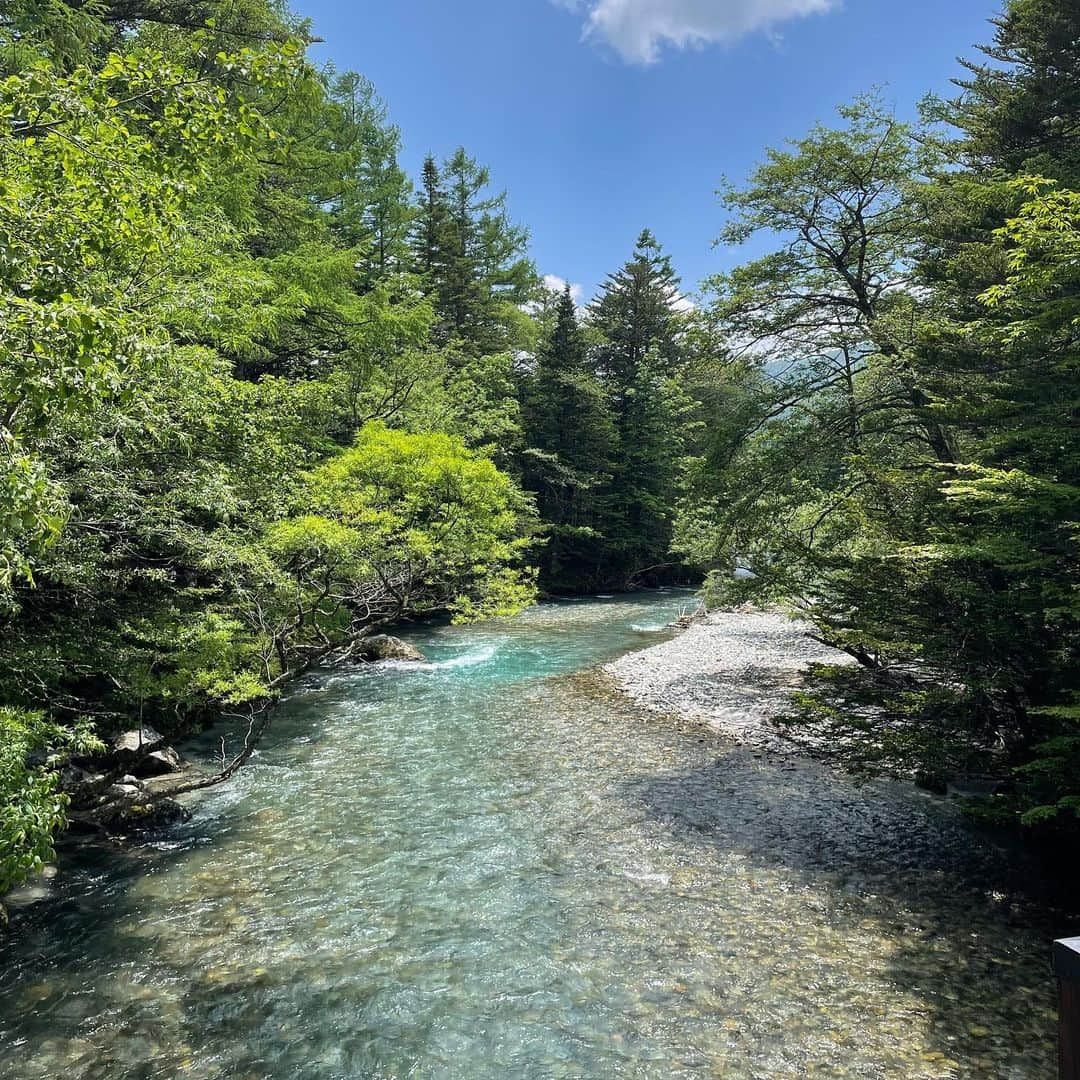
1067	969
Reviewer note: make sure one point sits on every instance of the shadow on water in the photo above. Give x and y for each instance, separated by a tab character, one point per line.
957	923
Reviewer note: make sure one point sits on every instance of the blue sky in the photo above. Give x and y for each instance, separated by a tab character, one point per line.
601	117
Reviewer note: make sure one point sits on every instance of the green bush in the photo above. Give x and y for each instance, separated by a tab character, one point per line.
31	805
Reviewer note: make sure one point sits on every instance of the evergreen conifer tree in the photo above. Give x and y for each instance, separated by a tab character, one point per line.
639	359
570	451
472	257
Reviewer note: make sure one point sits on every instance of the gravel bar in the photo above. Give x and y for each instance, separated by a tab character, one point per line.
734	670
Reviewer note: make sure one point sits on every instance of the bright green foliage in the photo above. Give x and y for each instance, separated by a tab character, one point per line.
408	523
1039	294
96	176
31	806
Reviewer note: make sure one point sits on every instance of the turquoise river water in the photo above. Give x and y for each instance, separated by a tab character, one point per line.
491	866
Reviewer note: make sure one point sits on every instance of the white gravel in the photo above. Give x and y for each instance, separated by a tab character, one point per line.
734	670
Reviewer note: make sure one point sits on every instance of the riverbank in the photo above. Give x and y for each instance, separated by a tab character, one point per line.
733	670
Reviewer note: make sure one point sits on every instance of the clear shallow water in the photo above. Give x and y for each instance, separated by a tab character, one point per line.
490	866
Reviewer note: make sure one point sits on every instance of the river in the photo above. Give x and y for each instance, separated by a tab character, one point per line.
489	865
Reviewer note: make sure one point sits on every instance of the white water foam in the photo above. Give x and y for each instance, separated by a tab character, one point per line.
480	655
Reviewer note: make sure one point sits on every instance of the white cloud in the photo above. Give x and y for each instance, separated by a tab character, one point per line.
683	304
638	30
554	283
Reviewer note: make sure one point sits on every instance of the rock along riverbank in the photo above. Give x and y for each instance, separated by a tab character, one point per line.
733	670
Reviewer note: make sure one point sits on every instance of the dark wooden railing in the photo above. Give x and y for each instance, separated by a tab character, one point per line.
1067	969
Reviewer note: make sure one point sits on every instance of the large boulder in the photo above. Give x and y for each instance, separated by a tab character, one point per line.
163	762
131	816
129	807
137	743
82	785
384	647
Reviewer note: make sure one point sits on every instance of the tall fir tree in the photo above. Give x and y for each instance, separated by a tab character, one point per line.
472	257
374	211
639	358
570	451
472	263
430	225
1018	108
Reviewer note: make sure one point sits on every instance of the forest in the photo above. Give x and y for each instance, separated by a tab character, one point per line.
263	393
